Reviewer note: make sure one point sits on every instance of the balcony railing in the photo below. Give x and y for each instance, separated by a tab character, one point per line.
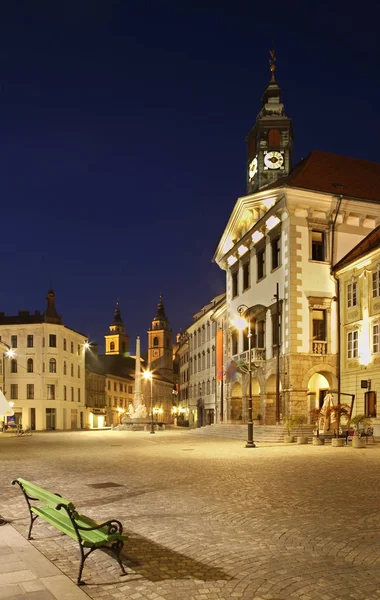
257	355
319	347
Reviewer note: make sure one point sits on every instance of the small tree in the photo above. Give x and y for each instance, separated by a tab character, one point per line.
360	422
315	414
336	412
289	422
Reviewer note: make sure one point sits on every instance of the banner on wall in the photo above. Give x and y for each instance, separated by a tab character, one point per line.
219	355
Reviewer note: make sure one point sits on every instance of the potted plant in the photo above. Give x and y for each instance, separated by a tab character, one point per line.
359	423
315	414
289	423
301	421
336	412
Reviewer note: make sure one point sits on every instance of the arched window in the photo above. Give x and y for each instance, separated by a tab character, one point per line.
155	341
29	365
64	368
52	365
112	346
13	366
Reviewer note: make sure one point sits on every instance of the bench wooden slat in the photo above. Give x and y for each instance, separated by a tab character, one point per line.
48	498
61	521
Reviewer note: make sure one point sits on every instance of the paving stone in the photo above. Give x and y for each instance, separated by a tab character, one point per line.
281	523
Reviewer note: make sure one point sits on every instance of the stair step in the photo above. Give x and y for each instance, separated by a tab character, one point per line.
262	433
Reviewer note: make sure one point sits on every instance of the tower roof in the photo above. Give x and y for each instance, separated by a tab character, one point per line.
160	314
50	314
117	320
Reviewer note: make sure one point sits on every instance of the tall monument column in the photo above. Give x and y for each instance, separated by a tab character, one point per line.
137	396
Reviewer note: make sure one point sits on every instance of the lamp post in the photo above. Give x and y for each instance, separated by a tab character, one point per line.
241	324
149	375
9	352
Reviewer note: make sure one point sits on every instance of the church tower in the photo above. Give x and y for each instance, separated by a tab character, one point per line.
116	340
270	140
160	341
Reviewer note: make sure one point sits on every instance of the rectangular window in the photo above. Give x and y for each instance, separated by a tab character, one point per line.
235	287
114	386
260	328
13	366
72	394
30	391
130	390
319	325
318	245
52	340
275	244
29	341
352	294
352	344
246	275
14	341
64	392
50	391
370	404
78	394
72	347
14	391
375	339
260	256
64	344
234	342
78	350
108	385
376	284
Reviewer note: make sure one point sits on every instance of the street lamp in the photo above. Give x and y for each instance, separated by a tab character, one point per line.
149	375
241	324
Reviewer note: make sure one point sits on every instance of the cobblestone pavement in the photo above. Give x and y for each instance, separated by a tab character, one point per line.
208	518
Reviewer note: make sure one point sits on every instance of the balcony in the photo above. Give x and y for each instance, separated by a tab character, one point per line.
257	355
319	347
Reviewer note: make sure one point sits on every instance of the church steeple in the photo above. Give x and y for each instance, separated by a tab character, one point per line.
117	342
160	340
270	140
50	314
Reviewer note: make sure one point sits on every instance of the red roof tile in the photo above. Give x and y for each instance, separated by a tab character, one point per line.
319	171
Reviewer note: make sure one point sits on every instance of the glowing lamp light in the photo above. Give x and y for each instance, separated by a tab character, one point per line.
11	353
257	236
86	346
147	375
240	323
11	404
272	222
231	260
242	250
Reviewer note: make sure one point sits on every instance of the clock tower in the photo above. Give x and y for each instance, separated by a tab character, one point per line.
160	351
270	140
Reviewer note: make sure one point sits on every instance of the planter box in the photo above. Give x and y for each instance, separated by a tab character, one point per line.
317	441
301	439
359	442
288	439
337	442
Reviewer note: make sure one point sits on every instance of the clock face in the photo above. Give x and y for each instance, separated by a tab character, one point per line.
252	169
155	353
274	160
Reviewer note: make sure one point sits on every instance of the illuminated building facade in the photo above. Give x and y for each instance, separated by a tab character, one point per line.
358	274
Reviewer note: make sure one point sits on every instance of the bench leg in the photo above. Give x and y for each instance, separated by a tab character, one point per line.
116	549
32	519
83	557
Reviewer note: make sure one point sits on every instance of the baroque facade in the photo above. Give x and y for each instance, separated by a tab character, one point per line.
358	275
277	250
45	378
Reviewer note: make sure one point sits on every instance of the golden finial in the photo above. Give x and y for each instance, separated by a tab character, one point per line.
272	61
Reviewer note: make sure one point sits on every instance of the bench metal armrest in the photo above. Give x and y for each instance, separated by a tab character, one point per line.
113	526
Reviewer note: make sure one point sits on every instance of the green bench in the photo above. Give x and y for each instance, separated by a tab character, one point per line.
62	515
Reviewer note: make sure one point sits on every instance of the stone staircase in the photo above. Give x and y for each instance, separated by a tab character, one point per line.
261	433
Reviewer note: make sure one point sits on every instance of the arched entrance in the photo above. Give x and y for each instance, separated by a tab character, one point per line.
236	402
318	387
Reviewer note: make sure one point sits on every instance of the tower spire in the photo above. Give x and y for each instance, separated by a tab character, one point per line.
272	63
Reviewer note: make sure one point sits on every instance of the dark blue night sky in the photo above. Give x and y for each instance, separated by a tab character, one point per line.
122	130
